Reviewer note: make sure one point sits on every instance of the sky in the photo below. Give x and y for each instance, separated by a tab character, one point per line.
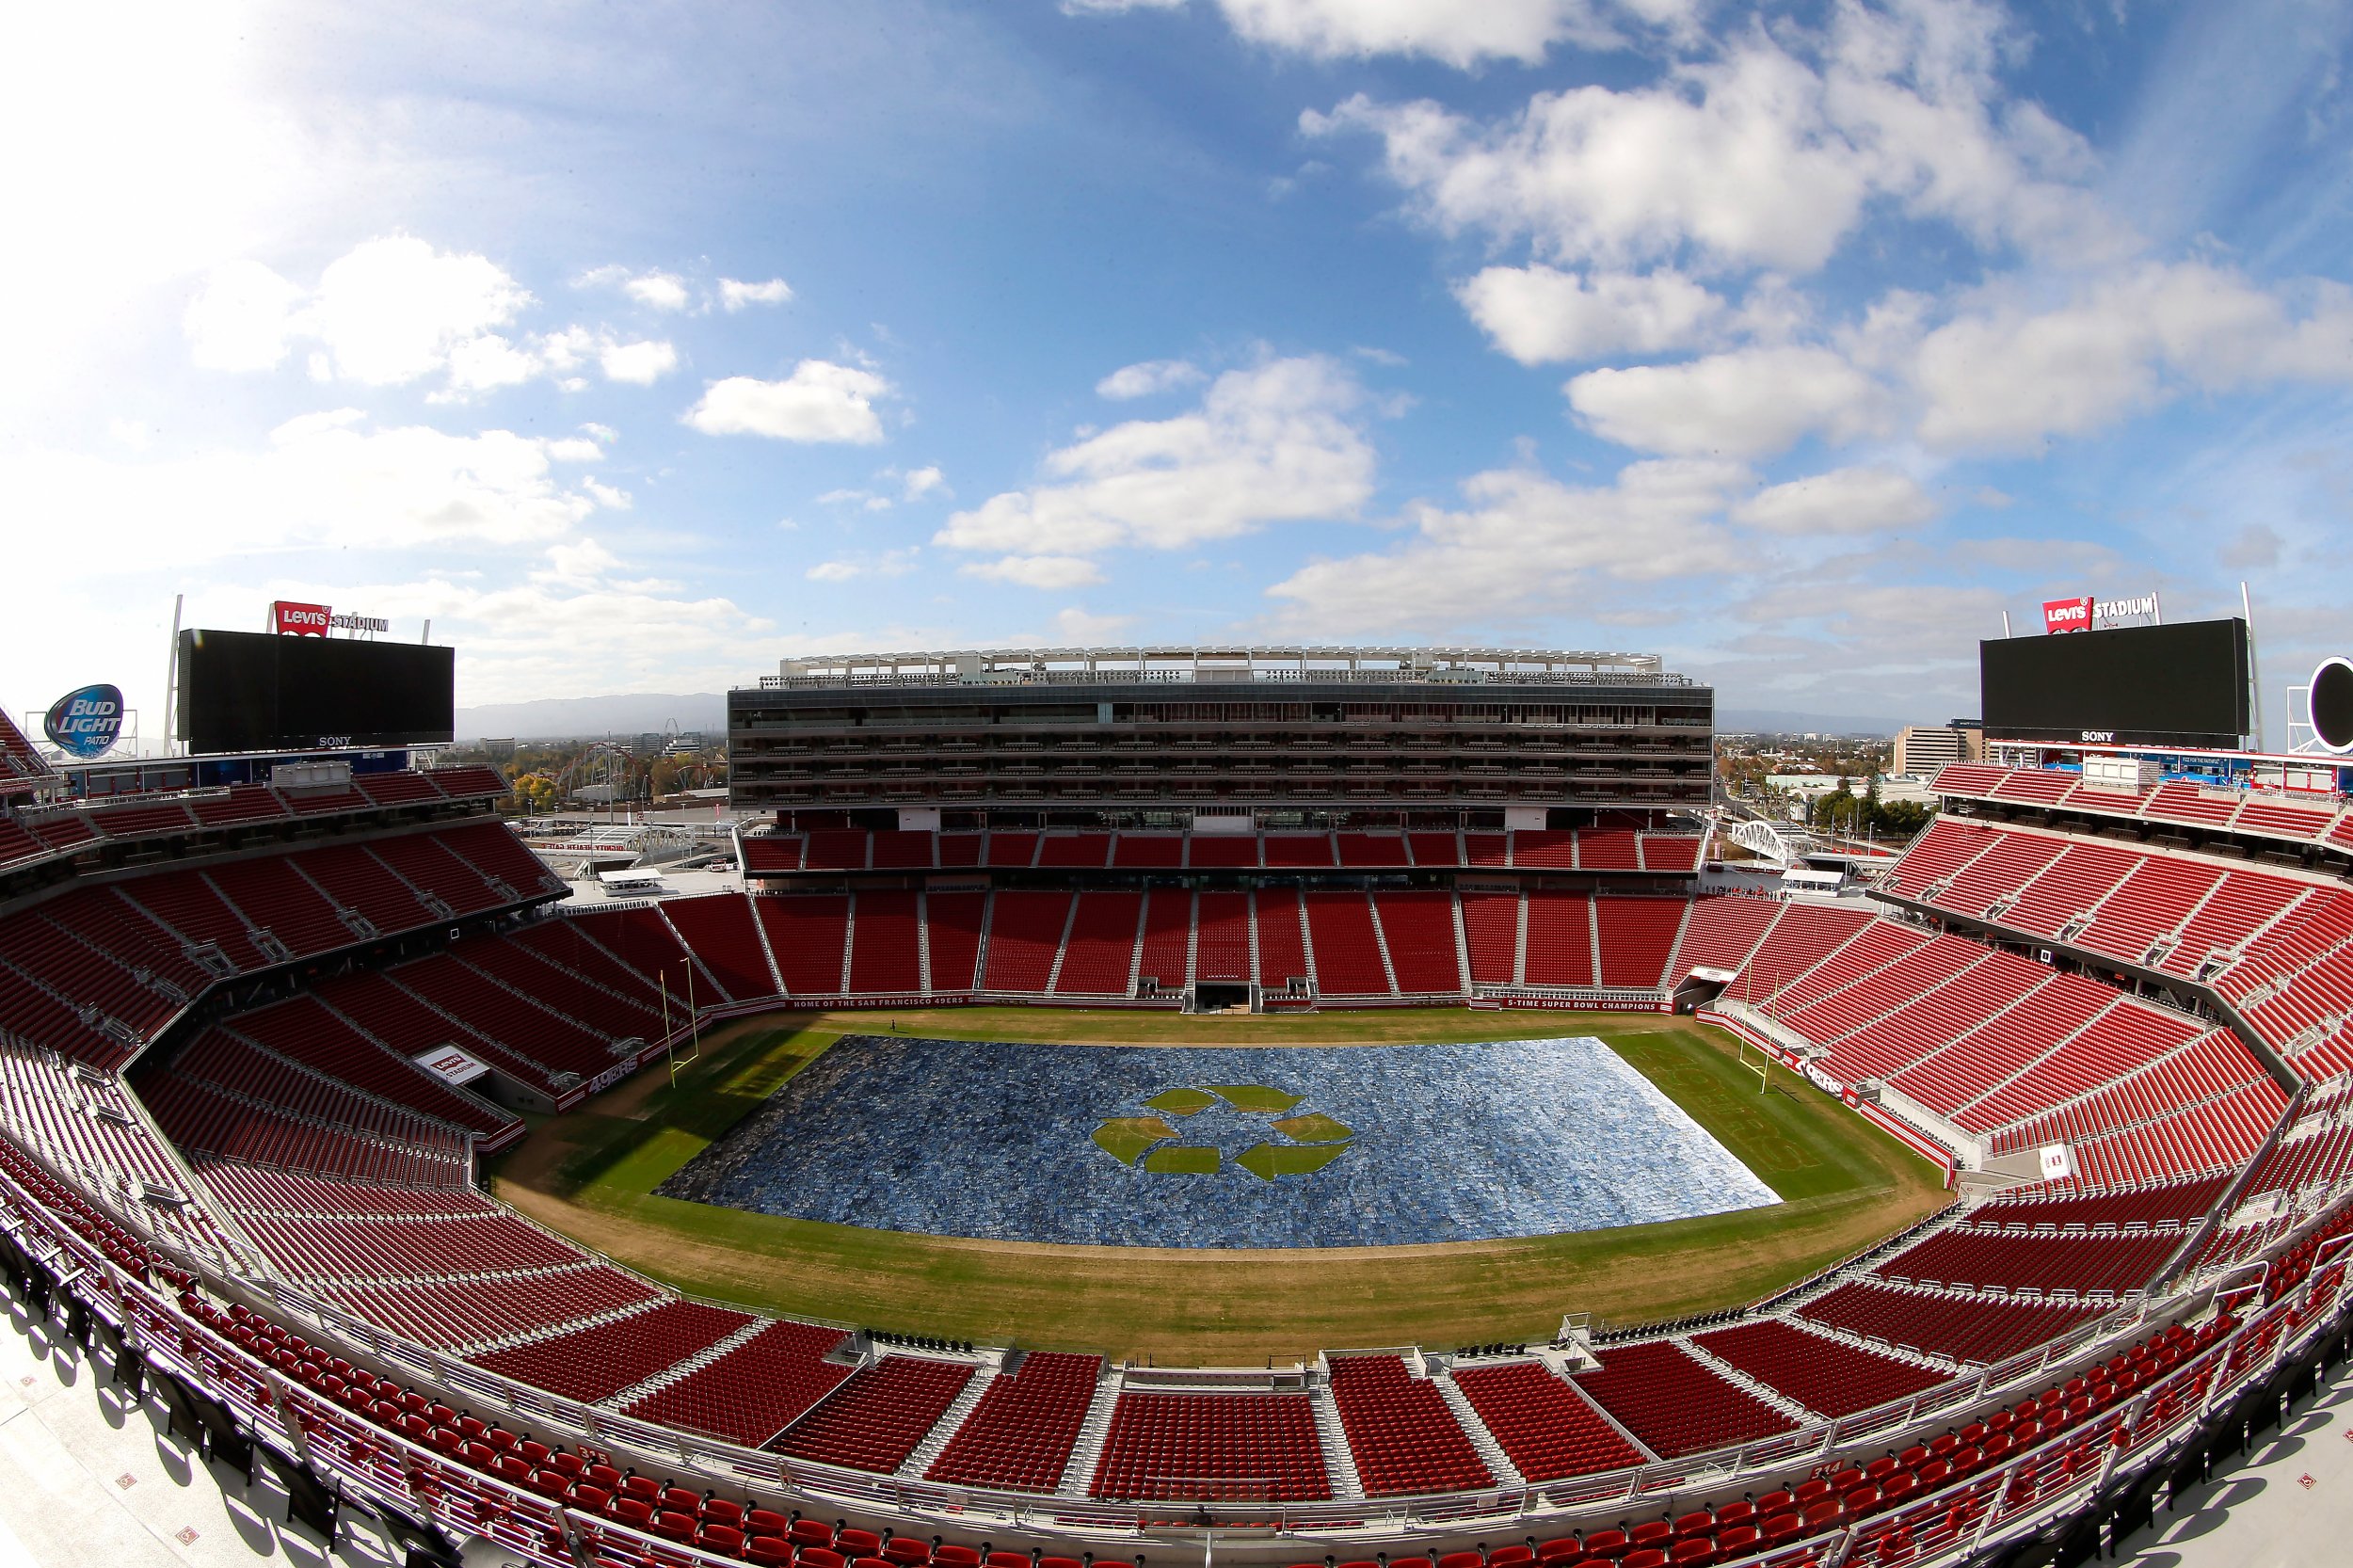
637	347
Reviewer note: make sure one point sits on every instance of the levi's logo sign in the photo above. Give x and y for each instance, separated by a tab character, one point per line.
302	620
2067	614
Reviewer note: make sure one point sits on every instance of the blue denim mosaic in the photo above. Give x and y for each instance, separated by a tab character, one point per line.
1451	1143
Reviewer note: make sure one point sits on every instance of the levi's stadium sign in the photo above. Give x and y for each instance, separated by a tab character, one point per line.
288	619
2067	614
84	724
2082	615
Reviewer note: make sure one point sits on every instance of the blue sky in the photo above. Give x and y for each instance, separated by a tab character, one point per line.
640	346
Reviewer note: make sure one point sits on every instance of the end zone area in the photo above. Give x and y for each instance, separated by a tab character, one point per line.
592	1174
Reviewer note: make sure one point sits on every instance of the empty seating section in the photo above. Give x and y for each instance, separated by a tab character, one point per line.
750	1393
1557	850
1560	939
1542	1424
899	851
952	922
1419	929
68	966
1221	851
1674	1403
557	988
190	914
1921	964
2208	1137
1282	942
1170	1446
878	1417
229	1097
521	1029
1167	936
1011	849
1100	954
378	1248
886	954
1873	945
455	1314
1638	939
2049	1009
1826	1376
571	944
1437	849
2155	899
1401	1433
2123	1034
1223	946
1671	851
2198	1109
274	897
1149	851
1998	873
1025	931
495	853
1019	1437
1725	932
646	942
838	849
772	852
809	936
1372	850
718	929
599	1361
1296	849
2084	1263
1072	849
1491	922
961	849
2069	888
303	1029
2180	1204
1986	983
39	1019
22	770
1608	850
357	881
1801	938
1972	1329
421	861
2244	903
1347	953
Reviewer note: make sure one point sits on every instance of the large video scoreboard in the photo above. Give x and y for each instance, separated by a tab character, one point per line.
2184	685
256	691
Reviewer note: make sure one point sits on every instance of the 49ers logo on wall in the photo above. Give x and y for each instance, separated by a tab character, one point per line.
288	619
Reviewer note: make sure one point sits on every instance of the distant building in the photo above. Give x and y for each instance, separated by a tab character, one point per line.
501	749
1923	748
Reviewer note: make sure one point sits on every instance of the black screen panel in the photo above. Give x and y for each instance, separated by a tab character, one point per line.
255	691
2137	685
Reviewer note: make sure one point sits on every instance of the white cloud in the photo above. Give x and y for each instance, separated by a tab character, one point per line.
1748	402
1276	443
735	296
386	313
490	361
1523	544
653	288
325	480
2007	376
1076	628
241	317
1844	501
892	563
1037	571
923	482
639	364
1458	34
1537	314
1765	154
1151	375
819	402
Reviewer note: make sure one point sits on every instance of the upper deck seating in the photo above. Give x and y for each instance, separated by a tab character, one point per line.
1968	1328
752	1392
1544	1425
875	1418
600	1361
1177	1447
1675	1404
1401	1433
1826	1376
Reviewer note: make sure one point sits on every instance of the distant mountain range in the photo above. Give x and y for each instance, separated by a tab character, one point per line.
569	718
579	718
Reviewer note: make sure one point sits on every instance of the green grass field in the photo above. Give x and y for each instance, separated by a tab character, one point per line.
592	1174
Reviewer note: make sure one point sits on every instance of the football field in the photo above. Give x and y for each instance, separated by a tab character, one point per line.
593	1175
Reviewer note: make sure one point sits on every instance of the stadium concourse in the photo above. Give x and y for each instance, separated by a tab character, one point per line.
227	1177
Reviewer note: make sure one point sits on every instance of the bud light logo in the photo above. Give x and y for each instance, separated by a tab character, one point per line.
84	724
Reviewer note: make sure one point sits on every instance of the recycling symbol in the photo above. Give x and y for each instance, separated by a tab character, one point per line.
1285	1145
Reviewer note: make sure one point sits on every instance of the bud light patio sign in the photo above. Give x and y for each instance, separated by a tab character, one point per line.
84	724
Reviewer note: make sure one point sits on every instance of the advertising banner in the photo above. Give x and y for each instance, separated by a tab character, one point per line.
297	620
84	724
2067	614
